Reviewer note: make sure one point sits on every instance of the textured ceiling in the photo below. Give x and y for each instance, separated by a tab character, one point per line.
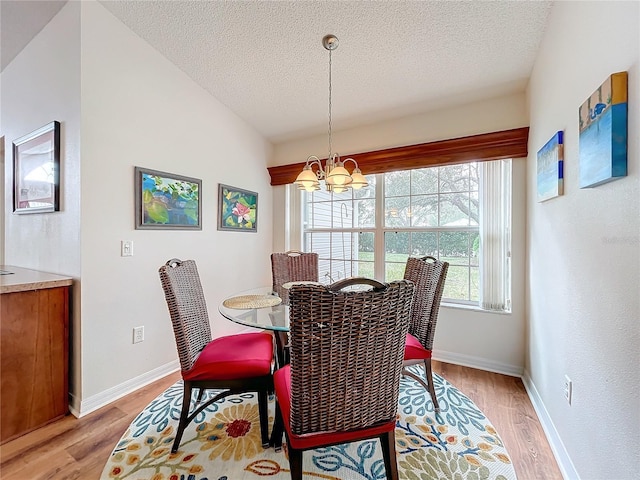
265	61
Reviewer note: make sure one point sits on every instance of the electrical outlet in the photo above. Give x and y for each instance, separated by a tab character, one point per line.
138	334
126	248
568	389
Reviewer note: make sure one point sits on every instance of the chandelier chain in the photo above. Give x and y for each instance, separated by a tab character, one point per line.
330	148
337	178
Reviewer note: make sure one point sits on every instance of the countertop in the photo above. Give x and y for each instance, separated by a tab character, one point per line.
24	279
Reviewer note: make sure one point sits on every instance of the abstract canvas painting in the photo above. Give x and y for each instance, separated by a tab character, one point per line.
165	201
550	168
603	133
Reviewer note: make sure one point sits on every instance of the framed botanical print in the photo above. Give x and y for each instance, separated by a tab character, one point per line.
237	209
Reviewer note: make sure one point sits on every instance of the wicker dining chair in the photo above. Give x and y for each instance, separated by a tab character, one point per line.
292	266
428	274
342	384
236	363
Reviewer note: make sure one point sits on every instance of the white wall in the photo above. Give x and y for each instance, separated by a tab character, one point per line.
584	252
130	107
40	85
2	201
490	341
139	109
502	113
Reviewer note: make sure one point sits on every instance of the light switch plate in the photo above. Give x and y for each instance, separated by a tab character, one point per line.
126	248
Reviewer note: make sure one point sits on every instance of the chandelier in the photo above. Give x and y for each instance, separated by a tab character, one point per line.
337	178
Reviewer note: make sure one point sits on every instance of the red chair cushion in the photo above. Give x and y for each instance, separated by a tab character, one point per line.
414	350
233	357
282	384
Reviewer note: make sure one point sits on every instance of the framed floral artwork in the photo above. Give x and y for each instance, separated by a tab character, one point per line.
237	209
165	201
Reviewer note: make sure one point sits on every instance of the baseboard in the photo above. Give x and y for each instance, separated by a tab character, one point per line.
557	447
95	402
478	362
103	398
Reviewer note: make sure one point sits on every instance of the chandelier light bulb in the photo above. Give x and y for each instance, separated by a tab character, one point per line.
307	179
339	176
308	186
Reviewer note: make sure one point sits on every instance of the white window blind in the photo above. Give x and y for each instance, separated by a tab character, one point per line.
495	227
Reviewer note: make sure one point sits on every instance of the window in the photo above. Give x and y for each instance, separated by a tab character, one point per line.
457	213
341	228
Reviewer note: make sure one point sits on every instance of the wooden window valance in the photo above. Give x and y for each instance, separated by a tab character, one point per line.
483	147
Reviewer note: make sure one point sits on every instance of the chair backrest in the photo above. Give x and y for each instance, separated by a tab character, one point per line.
187	307
292	266
428	274
346	351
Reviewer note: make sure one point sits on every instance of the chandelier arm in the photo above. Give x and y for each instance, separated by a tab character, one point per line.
350	159
313	160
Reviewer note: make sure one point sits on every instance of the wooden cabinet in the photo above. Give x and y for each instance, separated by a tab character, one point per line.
34	350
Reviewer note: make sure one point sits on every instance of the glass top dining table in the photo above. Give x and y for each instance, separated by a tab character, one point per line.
258	308
262	308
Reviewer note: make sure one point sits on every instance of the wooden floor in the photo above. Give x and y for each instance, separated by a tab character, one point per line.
74	448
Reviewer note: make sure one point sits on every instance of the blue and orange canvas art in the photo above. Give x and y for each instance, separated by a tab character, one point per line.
550	168
603	133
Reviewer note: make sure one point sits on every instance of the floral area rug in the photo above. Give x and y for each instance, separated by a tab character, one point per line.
223	443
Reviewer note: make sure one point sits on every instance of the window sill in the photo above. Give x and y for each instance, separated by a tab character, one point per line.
473	308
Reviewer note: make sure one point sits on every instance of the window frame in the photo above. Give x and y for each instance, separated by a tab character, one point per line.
380	230
381	253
